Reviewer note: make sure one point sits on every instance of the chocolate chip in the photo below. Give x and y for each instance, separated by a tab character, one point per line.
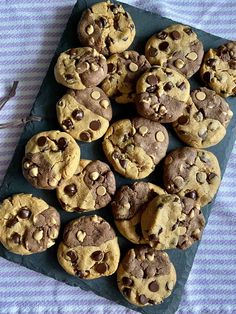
211	62
151	89
207	77
101	22
138	230
11	222
163	46
151	301
70	189
152	52
126	292
175	35
123	163
85	136
72	255
232	64
97	256
188	31
211	176
168	86
100	268
68	124
181	86
24	213
192	195
42	140
78	114
152	80
161	35
143	299
15	238
203	158
95	125
69	76
79	273
153	237
153	286
62	143
183	120
111	67
127	281
174	226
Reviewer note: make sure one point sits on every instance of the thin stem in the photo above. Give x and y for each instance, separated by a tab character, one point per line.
11	94
18	122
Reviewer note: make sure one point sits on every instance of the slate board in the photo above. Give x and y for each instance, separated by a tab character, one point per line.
46	263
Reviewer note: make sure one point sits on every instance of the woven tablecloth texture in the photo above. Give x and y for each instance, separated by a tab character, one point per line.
29	33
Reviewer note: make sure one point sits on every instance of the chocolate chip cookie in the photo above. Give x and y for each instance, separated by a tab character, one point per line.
128	205
89	248
84	114
167	222
192	173
204	120
50	157
134	147
176	47
124	69
106	27
218	70
90	188
78	68
146	276
28	224
162	94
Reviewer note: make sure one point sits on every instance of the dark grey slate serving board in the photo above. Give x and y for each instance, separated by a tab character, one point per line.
46	263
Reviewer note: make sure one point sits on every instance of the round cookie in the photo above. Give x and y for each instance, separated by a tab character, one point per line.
127	207
218	70
78	68
28	224
162	94
146	276
90	188
106	27
204	120
134	147
124	69
192	173
89	248
176	47
84	114
168	223
50	157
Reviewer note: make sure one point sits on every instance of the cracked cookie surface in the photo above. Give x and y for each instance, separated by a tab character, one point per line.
192	173
124	69
162	94
50	157
176	47
78	68
204	120
167	222
146	276
134	147
89	248
28	224
106	27
90	188
128	205
218	70
85	114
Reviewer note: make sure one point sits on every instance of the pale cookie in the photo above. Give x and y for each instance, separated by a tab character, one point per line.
89	248
146	276
162	94
90	188
28	224
85	114
106	27
204	120
78	68
218	70
134	147
50	157
124	69
176	47
168	223
128	205
192	173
